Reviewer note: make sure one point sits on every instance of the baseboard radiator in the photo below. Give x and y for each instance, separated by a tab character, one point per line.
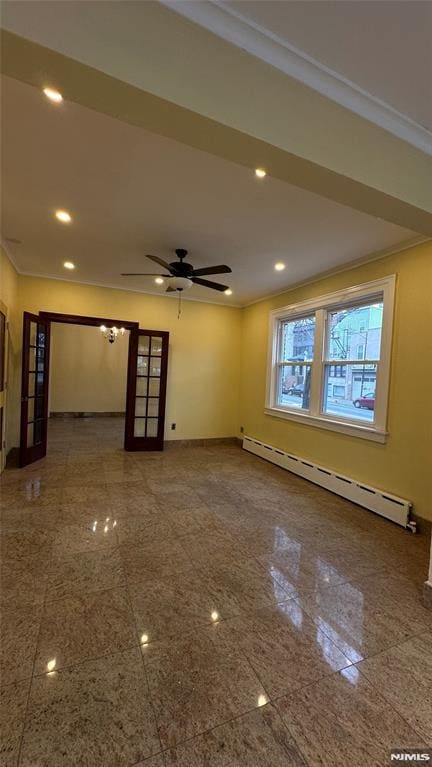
390	506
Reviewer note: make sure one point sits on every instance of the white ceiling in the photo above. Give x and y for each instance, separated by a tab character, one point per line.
384	46
132	192
373	57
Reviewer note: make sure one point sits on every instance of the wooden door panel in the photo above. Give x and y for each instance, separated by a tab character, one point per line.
34	388
146	389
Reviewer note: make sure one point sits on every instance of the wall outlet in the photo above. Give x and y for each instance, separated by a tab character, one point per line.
241	429
173	426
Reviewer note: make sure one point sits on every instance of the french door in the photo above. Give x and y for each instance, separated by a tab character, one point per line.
34	388
146	389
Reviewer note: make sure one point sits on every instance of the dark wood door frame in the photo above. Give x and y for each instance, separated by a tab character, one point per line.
79	319
146	443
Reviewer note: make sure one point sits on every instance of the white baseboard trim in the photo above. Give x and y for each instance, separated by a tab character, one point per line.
387	505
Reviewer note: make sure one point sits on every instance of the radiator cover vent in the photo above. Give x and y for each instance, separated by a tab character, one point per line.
390	506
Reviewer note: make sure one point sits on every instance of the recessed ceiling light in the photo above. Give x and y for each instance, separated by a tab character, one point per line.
63	216
69	265
228	292
260	172
279	266
159	281
53	95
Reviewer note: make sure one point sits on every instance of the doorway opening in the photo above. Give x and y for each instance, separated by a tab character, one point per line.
144	392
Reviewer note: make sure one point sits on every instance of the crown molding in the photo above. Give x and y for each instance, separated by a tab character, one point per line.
233	27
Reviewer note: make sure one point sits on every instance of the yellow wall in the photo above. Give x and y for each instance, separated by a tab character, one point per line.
87	373
9	305
204	355
403	465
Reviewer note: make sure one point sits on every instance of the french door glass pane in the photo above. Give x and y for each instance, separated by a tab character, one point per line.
142	368
155	366
39	407
141	387
30	434
152	427
140	406
39	383
32	359
294	386
297	339
354	333
153	407
156	346
30	410
33	333
139	427
153	388
38	432
143	345
353	396
31	384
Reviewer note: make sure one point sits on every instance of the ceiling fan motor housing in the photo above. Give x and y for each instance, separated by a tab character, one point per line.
181	268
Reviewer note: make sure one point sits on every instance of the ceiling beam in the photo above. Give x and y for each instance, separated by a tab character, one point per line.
394	180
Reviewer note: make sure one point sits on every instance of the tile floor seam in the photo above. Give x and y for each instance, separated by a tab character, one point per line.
383	697
144	670
26	708
369	655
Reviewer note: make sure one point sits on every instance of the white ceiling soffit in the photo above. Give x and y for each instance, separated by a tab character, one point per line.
132	192
227	22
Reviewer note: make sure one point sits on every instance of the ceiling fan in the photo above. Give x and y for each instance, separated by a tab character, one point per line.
182	275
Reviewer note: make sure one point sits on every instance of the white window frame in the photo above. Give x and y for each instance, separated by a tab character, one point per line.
383	290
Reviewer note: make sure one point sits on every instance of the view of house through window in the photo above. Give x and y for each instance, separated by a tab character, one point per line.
327	360
354	340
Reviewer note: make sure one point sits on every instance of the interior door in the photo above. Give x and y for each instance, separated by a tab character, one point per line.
146	389
2	389
34	388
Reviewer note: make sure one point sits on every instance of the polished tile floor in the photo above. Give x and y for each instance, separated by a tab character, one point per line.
200	607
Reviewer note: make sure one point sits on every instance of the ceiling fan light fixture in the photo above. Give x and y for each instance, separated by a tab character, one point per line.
180	283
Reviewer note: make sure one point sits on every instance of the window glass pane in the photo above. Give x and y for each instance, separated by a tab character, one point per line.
354	333
352	397
140	405
155	365
153	388
294	387
156	346
139	427
152	427
297	339
41	335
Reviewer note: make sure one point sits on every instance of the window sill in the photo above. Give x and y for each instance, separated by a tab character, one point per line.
353	430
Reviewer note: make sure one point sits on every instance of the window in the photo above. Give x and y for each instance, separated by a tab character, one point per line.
344	336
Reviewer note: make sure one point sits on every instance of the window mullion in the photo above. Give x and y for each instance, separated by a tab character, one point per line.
317	365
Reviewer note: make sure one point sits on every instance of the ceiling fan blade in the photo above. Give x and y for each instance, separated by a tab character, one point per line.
144	274
170	290
221	269
208	284
159	261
